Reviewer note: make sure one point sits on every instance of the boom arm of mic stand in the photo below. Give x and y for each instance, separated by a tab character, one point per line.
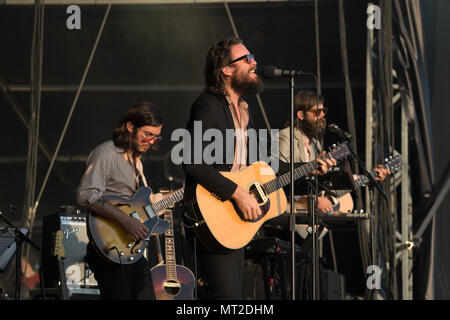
326	189
367	173
18	232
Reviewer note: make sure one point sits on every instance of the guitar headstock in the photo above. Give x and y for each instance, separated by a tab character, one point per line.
58	248
340	151
393	163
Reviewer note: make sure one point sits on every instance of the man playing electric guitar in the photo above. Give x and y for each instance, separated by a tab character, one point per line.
114	168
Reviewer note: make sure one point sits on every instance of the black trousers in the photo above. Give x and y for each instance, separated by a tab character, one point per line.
221	272
121	282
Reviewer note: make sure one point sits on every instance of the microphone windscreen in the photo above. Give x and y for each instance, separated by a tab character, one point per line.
268	72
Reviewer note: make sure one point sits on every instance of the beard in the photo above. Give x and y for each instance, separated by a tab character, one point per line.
310	128
246	85
135	145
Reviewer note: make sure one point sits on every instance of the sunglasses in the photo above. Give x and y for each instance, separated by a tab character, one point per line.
248	58
157	139
317	112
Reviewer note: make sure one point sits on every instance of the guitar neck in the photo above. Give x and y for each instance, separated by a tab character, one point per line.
362	181
285	179
171	268
62	275
338	152
168	201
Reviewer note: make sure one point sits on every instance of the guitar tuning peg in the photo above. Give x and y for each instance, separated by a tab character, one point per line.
386	160
334	145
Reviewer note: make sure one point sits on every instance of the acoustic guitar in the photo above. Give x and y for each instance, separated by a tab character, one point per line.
172	281
220	225
112	241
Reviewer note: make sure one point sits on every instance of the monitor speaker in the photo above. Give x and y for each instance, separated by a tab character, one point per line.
72	223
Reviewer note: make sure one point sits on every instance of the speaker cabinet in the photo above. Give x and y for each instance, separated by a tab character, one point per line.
75	239
332	286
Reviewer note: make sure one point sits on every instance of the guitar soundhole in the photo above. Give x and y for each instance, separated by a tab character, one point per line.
255	193
172	287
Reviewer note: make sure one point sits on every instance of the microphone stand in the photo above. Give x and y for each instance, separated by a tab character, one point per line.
292	202
368	174
20	237
328	191
379	188
311	189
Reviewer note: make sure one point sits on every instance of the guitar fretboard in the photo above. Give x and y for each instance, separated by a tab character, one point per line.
168	201
171	269
285	179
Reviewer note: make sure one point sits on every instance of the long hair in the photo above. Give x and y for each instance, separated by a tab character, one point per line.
218	57
141	114
303	101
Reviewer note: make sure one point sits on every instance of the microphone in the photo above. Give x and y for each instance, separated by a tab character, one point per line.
270	72
335	129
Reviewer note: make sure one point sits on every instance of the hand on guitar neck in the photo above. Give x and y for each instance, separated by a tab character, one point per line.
381	173
324	204
325	164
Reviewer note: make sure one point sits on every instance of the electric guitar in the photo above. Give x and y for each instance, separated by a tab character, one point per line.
59	252
172	281
112	241
344	203
220	224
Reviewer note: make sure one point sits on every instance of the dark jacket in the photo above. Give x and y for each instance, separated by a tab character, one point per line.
213	111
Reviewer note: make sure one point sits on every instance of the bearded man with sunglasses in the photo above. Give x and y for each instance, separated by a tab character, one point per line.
115	168
309	122
309	129
230	75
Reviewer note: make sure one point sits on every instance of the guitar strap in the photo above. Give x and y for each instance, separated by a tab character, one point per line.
140	181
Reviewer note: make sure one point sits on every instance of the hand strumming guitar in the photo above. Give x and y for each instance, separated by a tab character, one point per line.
134	227
247	204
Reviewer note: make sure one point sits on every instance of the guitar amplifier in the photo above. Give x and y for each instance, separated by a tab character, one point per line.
75	240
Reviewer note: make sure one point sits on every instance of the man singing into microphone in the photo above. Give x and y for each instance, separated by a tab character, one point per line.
229	77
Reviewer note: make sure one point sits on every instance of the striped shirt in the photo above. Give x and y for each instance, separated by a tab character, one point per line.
109	172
